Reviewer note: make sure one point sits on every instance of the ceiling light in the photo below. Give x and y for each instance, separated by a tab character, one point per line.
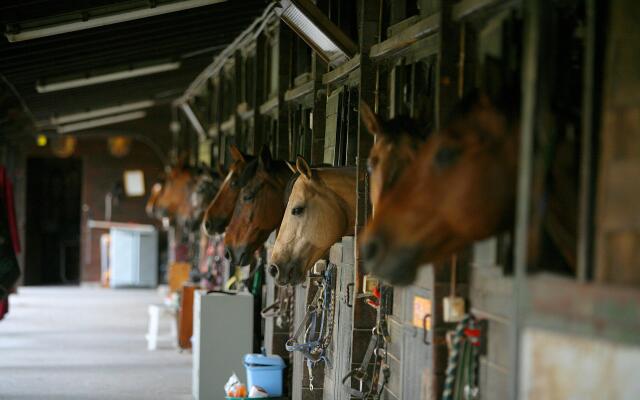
313	26
41	140
94	123
101	112
98	16
46	87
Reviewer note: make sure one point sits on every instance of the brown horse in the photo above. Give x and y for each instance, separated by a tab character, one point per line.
320	210
460	189
259	208
206	185
219	212
397	143
173	200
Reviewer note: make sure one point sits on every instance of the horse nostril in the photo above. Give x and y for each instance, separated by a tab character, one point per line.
228	254
371	249
273	270
207	225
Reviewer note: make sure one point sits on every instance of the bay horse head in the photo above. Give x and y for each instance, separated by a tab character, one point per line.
259	208
397	143
320	210
460	188
206	185
219	212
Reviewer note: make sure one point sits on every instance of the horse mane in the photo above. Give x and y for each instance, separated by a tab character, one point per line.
289	188
324	167
251	169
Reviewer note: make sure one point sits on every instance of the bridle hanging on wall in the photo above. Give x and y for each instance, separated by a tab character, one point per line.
322	308
372	386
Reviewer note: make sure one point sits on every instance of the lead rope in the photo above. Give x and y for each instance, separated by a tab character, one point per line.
461	376
316	341
372	388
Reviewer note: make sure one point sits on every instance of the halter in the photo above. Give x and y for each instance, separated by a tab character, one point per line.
282	308
316	342
372	386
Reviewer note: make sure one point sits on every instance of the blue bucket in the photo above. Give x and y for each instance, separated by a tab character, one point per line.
266	372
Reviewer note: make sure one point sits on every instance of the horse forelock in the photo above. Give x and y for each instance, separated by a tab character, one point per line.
289	187
395	128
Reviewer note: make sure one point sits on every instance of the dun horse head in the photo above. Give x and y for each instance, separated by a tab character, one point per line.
396	146
460	188
320	210
219	212
259	208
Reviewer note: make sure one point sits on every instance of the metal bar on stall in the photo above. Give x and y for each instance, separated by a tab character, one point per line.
588	157
533	23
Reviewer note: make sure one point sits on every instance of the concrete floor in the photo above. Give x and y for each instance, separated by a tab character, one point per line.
76	343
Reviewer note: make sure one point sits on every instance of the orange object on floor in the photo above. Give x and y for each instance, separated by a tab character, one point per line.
178	275
185	317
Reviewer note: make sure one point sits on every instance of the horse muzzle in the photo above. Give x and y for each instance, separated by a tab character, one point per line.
213	226
395	266
240	255
284	276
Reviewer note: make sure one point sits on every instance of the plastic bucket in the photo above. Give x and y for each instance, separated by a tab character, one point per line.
266	372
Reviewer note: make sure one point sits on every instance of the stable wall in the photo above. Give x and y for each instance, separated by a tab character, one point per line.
100	171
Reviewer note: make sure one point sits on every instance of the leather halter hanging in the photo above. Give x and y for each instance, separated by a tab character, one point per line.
321	310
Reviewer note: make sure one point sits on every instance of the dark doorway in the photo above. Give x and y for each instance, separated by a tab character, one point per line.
52	251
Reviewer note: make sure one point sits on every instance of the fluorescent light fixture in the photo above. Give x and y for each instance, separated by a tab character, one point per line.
310	23
94	123
97	17
46	87
101	112
191	116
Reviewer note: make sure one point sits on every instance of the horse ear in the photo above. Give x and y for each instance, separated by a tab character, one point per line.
291	167
303	167
370	119
265	157
236	154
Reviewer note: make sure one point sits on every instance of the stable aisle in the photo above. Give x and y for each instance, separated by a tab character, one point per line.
86	343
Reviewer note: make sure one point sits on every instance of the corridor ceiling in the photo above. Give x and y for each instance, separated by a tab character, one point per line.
192	37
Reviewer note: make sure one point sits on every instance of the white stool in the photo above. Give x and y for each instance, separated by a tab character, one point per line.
156	312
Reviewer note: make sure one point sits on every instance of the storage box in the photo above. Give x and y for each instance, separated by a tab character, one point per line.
266	372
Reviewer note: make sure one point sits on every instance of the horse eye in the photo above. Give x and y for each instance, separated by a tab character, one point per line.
447	156
371	164
248	197
297	210
234	183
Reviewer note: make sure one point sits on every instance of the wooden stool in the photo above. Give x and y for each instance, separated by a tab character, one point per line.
156	312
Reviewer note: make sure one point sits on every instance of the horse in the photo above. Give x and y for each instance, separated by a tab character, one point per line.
460	189
173	200
321	208
206	185
396	144
259	208
184	194
220	210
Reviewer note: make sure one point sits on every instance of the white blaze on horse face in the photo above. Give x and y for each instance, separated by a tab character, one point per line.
312	222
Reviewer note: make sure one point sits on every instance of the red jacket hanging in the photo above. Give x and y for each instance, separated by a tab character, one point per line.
6	191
